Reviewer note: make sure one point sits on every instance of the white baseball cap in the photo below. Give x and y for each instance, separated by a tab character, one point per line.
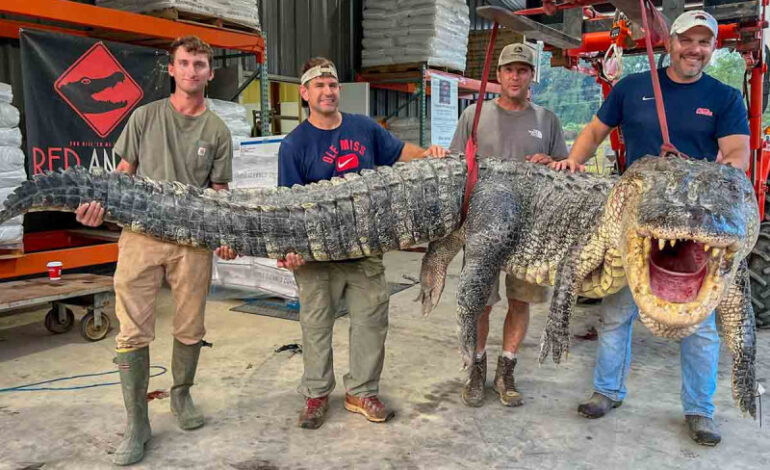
690	19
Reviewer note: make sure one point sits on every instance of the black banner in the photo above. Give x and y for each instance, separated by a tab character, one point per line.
78	94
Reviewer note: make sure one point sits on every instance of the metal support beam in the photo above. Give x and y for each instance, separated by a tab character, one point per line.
116	20
573	22
529	28
264	105
423	105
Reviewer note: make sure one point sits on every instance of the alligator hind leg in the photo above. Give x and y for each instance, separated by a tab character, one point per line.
490	239
434	268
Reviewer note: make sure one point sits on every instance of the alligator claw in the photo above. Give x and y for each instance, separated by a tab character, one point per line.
432	281
554	341
430	292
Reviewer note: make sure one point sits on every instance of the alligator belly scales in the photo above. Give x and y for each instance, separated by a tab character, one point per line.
675	231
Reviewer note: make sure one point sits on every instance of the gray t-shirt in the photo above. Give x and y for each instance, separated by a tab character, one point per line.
169	146
511	135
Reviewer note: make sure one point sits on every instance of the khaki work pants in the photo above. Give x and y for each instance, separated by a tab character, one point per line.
321	288
143	263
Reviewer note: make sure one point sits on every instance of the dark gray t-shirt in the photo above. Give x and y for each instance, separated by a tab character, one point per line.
511	135
169	146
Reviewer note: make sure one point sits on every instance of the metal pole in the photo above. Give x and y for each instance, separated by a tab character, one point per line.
264	108
423	105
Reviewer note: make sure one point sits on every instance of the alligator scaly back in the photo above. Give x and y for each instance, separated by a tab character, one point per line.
355	216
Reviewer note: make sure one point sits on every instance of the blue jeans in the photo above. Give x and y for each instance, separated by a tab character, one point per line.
699	354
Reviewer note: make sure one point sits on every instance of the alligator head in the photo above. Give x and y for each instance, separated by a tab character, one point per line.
683	227
81	93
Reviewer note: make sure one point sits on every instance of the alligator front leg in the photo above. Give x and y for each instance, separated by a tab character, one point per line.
736	321
578	263
434	268
491	227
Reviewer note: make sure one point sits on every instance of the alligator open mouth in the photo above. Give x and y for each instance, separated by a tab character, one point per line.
677	282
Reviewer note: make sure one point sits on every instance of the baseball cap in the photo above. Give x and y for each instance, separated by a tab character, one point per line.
517	52
690	19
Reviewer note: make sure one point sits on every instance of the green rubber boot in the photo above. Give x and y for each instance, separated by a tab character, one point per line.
184	362
134	367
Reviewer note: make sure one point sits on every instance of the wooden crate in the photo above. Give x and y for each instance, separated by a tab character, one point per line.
477	49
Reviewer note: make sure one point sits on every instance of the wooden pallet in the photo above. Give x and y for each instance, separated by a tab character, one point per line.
403	68
199	19
11	251
477	51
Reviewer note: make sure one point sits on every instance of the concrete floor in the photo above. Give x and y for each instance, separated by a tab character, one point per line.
247	392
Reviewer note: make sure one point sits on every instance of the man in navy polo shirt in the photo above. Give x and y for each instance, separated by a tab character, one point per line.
705	117
331	143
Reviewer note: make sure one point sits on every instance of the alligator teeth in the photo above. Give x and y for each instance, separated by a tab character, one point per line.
673	242
715	252
706	247
661	244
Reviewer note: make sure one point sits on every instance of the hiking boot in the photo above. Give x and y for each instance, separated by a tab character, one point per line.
371	407
703	430
184	362
597	406
134	369
312	416
505	385
473	390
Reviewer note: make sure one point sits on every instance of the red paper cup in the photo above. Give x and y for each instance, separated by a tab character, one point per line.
54	270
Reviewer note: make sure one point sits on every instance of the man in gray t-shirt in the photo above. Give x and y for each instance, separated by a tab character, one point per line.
510	128
174	139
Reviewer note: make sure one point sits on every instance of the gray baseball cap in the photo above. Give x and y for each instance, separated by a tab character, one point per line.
517	52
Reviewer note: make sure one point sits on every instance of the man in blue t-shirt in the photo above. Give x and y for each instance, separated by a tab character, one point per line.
331	143
705	117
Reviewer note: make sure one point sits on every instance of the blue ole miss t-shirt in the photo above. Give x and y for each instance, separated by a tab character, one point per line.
309	154
697	113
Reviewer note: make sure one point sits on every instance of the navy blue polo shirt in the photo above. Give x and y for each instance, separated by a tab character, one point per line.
309	154
697	113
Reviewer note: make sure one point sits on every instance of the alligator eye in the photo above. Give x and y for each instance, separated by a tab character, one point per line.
85	81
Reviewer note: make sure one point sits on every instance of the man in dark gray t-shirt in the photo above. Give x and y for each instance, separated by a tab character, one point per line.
510	128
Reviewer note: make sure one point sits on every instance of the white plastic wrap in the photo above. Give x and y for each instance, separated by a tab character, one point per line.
255	165
11	159
10	137
234	115
9	115
243	12
224	108
12	231
6	93
11	179
409	31
11	234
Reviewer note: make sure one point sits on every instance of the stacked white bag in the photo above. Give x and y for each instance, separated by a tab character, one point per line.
407	129
235	117
243	12
12	172
409	31
255	164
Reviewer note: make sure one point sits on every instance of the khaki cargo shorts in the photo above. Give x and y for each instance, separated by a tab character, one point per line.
516	289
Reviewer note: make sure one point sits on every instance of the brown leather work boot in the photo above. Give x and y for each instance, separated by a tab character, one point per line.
371	407
312	416
505	386
473	390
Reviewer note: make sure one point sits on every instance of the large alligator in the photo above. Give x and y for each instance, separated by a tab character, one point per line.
677	231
